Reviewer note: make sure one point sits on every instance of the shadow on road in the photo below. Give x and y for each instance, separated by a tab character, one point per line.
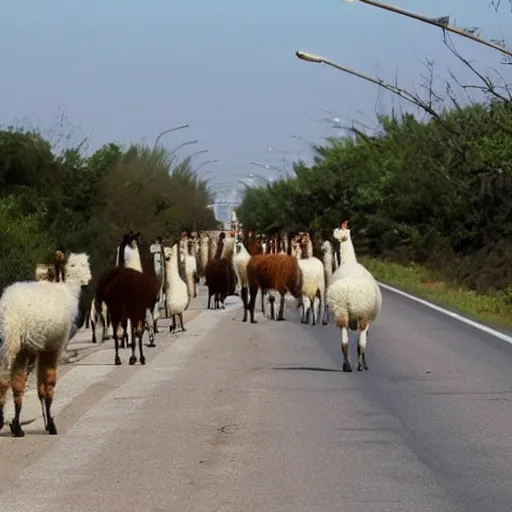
306	368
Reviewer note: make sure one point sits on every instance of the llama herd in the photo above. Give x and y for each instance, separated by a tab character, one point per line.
281	265
39	318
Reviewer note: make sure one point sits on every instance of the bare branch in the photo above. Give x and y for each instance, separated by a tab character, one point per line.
490	87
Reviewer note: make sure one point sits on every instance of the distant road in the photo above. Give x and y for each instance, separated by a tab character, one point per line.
255	418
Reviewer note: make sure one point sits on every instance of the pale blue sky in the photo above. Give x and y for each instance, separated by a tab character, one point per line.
127	70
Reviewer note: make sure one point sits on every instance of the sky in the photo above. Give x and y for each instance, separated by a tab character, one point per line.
124	71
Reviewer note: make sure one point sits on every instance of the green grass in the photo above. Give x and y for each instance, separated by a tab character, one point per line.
488	308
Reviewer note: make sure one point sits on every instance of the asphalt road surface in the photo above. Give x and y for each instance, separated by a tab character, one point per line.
258	418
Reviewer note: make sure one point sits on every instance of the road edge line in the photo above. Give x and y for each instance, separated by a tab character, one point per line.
472	323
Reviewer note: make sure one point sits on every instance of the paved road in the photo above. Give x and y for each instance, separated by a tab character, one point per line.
234	417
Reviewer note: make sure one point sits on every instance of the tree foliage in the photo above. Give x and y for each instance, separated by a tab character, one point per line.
436	192
84	203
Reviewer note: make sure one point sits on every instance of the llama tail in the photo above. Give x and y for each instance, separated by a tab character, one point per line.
10	342
22	423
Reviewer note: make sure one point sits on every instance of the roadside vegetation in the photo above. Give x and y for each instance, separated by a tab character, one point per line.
64	199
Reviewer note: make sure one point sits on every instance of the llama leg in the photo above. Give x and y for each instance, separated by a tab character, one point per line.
280	314
180	316
343	322
319	311
172	326
243	293
344	348
325	318
209	299
361	350
140	334
46	381
133	358
115	329
103	328
312	304
124	339
156	317
93	329
272	301
150	322
263	301
18	377
4	387
253	291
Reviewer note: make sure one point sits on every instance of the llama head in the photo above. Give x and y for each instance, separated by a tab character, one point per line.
344	232
136	240
167	253
228	247
326	246
78	269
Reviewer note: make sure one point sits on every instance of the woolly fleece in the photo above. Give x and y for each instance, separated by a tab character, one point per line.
313	277
39	314
355	297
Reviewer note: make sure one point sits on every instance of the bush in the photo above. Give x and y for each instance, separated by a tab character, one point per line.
84	203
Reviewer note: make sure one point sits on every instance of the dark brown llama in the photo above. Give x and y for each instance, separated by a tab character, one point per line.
220	275
127	294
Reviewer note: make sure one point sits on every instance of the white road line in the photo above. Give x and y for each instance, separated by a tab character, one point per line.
456	316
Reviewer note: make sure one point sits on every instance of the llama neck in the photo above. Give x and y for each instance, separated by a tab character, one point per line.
227	248
172	265
132	259
347	253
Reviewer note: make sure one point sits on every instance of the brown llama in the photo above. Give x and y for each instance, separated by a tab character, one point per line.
220	275
127	294
279	272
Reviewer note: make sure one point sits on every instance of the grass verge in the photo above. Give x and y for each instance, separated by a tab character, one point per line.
488	308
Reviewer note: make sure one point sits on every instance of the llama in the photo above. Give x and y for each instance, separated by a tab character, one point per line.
191	269
45	272
157	251
134	253
204	252
279	272
128	294
313	284
220	274
240	262
36	319
355	299
176	295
